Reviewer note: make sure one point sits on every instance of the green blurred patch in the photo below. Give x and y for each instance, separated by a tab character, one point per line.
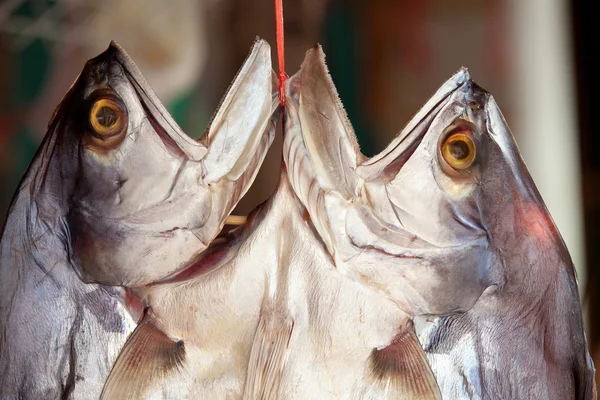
342	48
190	116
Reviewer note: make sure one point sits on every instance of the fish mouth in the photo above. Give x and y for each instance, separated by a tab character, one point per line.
260	51
192	148
161	119
404	145
194	153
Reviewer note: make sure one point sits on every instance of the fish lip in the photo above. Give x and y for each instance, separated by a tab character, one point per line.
194	149
260	49
252	98
399	146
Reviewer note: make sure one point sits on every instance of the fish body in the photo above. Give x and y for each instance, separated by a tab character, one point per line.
447	222
117	197
316	296
454	178
524	338
173	356
266	314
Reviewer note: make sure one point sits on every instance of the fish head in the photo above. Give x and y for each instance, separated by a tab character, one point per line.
455	179
140	198
427	221
431	172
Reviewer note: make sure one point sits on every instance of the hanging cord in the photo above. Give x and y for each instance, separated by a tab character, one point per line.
280	49
240	219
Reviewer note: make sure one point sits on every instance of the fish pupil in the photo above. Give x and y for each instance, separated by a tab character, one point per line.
459	150
106	117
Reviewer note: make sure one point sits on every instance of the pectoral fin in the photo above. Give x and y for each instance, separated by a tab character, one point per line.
402	368
147	358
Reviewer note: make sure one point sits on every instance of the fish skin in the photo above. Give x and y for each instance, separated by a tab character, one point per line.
316	284
87	221
524	338
286	308
267	314
274	276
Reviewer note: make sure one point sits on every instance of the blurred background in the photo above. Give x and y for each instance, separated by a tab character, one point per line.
538	58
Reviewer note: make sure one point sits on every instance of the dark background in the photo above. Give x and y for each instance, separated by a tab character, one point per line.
586	48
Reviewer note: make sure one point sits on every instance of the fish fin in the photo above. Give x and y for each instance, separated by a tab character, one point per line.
148	356
401	368
267	357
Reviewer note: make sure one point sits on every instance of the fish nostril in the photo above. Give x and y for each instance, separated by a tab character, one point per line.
99	72
474	105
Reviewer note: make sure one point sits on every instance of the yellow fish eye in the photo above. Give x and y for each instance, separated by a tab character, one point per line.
459	150
107	118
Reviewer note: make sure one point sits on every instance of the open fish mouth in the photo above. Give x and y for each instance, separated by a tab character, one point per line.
402	148
160	117
161	120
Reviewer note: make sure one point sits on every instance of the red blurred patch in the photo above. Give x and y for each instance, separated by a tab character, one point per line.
537	222
280	49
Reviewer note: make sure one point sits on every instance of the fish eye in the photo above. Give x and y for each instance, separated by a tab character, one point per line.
459	150
107	118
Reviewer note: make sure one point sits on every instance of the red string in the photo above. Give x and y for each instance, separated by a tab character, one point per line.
280	49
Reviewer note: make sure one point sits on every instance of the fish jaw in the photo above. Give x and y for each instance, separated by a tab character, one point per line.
385	165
